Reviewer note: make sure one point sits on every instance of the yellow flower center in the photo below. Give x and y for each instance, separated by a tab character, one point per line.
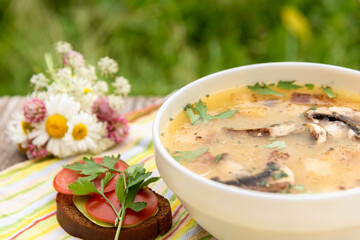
87	90
26	127
56	126
79	132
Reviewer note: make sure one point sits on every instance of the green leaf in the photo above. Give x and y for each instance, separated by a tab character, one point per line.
148	181
83	186
138	206
194	118
138	179
288	85
279	175
109	162
199	113
299	187
188	155
131	193
89	167
120	190
226	114
309	86
105	180
329	92
276	144
218	157
264	90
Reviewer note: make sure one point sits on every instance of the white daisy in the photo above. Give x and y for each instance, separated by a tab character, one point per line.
102	145
84	132
60	108
18	130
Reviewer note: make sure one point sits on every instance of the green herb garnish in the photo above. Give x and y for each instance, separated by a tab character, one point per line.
276	144
171	119
264	183
218	157
199	113
264	89
92	169
188	155
127	186
312	108
288	85
309	86
280	174
329	92
299	187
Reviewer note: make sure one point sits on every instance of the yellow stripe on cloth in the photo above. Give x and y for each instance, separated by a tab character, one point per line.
27	197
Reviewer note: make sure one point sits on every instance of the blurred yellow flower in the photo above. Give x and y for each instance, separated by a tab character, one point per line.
296	23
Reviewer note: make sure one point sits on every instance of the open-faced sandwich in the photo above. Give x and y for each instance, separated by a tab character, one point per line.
104	198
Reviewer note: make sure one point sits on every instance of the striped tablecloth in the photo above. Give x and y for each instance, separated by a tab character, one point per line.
27	197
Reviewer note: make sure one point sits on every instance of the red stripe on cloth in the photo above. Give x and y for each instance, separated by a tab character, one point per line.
33	224
147	158
177	211
174	230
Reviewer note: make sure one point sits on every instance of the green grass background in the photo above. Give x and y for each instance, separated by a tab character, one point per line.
163	45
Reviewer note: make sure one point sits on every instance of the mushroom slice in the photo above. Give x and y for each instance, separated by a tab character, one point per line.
273	178
337	129
346	115
275	130
318	132
313	99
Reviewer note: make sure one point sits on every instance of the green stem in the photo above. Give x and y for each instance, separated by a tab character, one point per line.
120	222
112	206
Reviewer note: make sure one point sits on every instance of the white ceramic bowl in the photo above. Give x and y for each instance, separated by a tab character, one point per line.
233	213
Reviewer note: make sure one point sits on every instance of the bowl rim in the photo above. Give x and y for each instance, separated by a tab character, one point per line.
235	190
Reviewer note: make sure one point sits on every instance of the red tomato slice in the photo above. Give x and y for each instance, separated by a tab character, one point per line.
66	177
100	209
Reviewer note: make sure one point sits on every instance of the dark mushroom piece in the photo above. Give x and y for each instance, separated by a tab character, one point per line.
346	115
274	178
275	130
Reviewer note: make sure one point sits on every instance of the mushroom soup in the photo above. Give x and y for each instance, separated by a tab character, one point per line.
283	137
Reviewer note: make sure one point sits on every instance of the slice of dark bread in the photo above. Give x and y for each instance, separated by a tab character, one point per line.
76	224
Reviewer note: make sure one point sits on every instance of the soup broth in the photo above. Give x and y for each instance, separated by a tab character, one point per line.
284	140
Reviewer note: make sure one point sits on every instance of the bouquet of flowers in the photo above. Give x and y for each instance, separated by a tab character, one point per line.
72	109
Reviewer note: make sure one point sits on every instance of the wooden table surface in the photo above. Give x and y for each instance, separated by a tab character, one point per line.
9	153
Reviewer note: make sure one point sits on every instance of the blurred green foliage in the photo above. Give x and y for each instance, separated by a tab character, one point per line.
163	45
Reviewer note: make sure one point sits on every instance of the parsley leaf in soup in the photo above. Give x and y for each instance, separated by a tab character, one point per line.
329	92
288	85
199	113
188	155
309	86
218	157
276	144
263	89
